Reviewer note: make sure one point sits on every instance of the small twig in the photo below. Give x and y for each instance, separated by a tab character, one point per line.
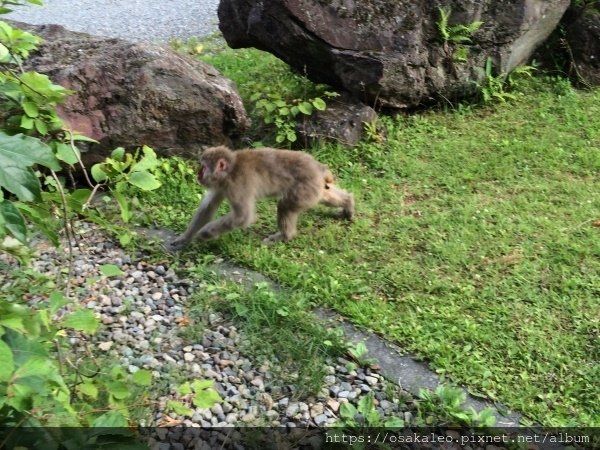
83	168
68	231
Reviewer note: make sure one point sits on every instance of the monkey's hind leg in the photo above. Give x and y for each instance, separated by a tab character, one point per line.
287	220
338	198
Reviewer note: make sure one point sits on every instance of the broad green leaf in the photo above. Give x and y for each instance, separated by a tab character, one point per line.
319	104
142	377
110	270
98	174
123	202
198	385
68	154
365	404
14	322
35	366
118	153
88	389
57	301
179	408
348	411
41	126
118	389
82	320
394	422
13	220
185	389
206	398
25	151
111	419
148	162
31	109
305	108
26	122
144	180
7	363
21	181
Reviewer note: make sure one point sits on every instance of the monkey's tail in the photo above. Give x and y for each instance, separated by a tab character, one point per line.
327	176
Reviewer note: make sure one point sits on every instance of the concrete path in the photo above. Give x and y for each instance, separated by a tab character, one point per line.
137	20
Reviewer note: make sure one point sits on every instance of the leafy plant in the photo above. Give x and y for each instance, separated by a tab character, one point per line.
201	393
494	86
359	418
123	169
359	353
458	34
36	386
445	405
282	113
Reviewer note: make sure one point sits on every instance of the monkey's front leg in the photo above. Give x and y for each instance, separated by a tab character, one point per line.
239	217
205	212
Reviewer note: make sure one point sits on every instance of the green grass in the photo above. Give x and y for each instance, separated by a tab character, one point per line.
474	246
278	327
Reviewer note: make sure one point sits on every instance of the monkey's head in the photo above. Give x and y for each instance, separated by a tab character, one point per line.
216	163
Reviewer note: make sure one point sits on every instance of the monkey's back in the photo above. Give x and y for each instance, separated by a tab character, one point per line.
280	171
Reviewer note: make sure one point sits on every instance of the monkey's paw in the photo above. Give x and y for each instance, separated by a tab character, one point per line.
176	244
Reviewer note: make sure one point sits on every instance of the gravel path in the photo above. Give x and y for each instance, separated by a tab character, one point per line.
149	20
143	311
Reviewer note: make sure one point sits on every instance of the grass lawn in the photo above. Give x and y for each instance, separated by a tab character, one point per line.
476	244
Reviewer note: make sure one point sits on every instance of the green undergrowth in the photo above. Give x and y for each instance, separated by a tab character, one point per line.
475	246
277	325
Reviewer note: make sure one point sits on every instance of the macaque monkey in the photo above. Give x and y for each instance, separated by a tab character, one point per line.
244	176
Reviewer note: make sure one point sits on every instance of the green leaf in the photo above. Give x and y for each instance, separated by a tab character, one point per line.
21	181
144	180
148	162
319	104
88	389
68	154
26	122
38	366
7	365
185	389
365	404
118	153
394	422
13	220
142	377
179	408
41	126
25	151
111	419
30	108
198	385
57	301
110	270
206	398
82	320
305	108
118	389
14	322
98	174
81	137
348	411
123	205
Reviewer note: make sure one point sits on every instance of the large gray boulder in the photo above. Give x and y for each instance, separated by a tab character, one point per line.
391	51
128	94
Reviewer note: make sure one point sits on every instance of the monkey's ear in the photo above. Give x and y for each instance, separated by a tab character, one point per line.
222	165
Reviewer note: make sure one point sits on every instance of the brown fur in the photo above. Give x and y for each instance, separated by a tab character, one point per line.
242	177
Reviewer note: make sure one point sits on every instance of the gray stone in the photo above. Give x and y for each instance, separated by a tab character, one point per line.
389	52
186	103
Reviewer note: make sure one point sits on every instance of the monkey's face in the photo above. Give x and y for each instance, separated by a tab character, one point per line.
212	173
